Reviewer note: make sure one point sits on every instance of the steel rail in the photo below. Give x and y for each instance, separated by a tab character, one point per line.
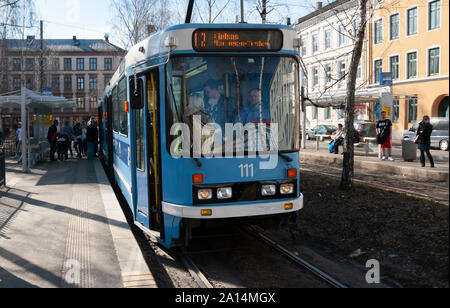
293	257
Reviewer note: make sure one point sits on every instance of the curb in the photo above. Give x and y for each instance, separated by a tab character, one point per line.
415	172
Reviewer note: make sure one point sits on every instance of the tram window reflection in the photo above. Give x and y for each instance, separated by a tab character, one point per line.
232	90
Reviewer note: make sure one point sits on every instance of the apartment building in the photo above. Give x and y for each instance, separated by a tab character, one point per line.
73	68
327	38
409	38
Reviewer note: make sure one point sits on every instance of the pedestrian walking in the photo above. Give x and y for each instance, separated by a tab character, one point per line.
384	136
51	137
19	139
61	140
92	139
69	132
78	139
423	138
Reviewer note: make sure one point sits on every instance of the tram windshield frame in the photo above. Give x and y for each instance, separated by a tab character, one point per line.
257	90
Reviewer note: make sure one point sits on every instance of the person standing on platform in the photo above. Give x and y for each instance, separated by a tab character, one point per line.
51	137
384	136
92	139
424	140
19	139
69	132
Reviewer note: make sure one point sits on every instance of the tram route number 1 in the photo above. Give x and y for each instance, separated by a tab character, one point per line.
247	170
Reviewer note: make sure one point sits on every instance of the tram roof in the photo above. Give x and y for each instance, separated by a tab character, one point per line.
181	37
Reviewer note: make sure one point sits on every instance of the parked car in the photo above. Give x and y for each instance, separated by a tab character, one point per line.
366	129
439	138
328	130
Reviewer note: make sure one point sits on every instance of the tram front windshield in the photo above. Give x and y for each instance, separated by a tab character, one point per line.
262	91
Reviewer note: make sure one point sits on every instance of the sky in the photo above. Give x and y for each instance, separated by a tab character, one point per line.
91	19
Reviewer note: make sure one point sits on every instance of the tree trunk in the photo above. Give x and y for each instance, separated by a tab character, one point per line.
349	151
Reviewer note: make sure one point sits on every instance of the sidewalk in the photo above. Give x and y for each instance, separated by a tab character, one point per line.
62	226
373	163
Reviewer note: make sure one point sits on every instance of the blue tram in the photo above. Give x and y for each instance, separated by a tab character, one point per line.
201	122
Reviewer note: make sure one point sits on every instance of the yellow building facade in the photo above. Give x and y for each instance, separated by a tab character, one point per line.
410	39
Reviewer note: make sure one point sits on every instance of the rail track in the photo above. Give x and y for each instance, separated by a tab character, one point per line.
261	237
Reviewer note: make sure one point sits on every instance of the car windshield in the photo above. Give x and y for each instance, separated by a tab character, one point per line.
224	93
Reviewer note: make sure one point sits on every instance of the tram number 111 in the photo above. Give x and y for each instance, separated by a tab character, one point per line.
247	170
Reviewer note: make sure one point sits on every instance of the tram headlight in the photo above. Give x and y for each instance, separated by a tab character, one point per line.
268	190
287	189
225	193
205	194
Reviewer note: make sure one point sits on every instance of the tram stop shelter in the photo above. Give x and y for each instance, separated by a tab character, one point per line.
382	96
36	116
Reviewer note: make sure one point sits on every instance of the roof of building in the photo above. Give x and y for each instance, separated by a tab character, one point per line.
64	45
324	9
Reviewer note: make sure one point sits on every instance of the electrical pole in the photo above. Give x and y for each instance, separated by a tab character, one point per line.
41	58
264	11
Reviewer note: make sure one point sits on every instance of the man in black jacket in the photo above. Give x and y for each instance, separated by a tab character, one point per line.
92	139
51	137
424	140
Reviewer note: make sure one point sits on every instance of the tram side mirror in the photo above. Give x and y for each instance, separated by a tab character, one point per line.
137	94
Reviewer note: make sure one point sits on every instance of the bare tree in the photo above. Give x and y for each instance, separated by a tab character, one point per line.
213	9
132	19
348	168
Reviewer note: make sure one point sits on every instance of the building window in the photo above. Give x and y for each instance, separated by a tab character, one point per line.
327	39
68	83
93	64
327	113
29	64
93	102
67	64
17	64
412	109
327	69
55	83
378	31
315	43
433	61
378	70
341	114
394	26
412	21
303	46
396	110
342	37
314	113
341	70
395	67
30	82
55	64
80	102
315	76
17	83
359	71
412	65
80	83
80	64
434	15
93	83
108	64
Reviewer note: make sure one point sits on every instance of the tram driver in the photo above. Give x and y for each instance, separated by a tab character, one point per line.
220	109
252	112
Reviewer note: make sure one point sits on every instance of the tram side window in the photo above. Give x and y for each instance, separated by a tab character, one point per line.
115	110
122	97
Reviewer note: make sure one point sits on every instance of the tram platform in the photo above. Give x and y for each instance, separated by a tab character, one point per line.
372	163
62	226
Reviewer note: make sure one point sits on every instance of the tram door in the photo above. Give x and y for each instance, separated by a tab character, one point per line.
147	178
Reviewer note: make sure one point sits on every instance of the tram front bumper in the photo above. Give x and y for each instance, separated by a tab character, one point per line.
234	211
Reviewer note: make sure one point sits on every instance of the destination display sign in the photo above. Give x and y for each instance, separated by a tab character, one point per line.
207	40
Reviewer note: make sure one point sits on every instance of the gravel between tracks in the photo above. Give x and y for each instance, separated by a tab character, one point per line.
407	235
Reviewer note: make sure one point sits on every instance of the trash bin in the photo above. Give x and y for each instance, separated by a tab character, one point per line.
409	150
